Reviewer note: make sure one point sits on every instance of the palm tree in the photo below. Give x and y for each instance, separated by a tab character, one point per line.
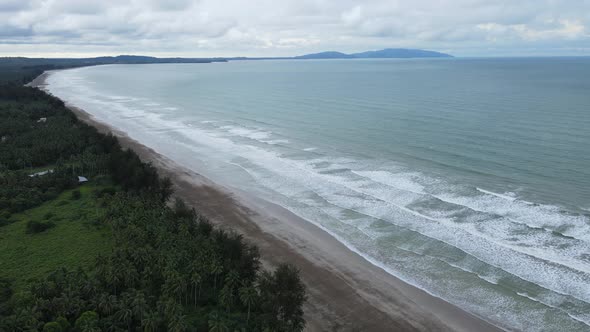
107	304
44	289
112	277
227	296
139	304
232	279
168	307
196	281
217	323
216	268
150	322
248	296
130	276
25	319
173	286
177	323
125	315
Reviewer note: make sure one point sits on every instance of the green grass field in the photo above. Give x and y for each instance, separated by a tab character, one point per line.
73	242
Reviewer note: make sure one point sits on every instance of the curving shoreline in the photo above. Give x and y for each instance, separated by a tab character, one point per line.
346	292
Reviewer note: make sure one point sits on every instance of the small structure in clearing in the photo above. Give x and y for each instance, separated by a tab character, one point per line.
41	173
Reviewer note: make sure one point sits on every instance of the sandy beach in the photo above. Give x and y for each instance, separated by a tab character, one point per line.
345	291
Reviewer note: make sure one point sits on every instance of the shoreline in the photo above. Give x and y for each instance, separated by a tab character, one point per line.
346	292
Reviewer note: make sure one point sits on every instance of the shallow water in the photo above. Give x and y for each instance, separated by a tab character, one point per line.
468	178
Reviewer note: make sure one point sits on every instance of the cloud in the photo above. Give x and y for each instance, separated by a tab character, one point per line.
288	27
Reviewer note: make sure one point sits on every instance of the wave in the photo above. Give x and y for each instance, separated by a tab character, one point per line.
263	136
576	317
506	196
534	270
248	133
401	180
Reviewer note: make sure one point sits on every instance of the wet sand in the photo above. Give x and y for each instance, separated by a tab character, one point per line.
345	291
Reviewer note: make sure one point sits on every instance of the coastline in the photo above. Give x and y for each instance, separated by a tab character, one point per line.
345	291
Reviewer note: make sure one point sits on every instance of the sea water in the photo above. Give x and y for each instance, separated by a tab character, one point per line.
469	178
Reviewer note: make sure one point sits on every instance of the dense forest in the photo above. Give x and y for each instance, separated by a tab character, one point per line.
166	267
23	70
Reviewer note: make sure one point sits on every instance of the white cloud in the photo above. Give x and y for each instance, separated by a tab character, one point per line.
288	27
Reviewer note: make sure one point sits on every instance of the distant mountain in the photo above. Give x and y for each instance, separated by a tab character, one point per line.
401	53
325	55
388	53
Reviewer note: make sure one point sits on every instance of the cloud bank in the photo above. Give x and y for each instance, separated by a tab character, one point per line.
292	27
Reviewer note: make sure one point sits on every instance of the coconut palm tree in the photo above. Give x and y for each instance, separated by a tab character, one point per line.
173	286
139	304
177	323
216	269
227	297
232	279
196	282
248	296
125	316
107	304
112	277
150	322
217	323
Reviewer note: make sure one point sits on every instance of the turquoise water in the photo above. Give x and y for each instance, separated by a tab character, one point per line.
468	178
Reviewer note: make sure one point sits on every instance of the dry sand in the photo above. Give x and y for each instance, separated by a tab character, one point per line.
345	291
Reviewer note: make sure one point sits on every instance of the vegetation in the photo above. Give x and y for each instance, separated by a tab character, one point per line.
114	254
75	240
22	70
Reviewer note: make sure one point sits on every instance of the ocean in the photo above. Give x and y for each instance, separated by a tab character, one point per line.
468	178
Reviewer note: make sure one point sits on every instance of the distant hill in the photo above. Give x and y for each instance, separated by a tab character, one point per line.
325	55
388	53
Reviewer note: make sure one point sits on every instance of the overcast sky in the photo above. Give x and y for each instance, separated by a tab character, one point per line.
204	28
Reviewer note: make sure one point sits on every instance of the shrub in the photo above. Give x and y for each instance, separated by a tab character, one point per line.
100	193
88	320
52	327
4	222
38	227
5	295
76	195
48	215
64	323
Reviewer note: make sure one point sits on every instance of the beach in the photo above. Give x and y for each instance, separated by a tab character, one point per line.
345	291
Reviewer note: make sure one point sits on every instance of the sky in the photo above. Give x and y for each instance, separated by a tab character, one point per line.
207	28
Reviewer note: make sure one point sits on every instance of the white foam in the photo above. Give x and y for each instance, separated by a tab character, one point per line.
483	245
277	141
247	133
545	217
507	196
578	318
402	180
